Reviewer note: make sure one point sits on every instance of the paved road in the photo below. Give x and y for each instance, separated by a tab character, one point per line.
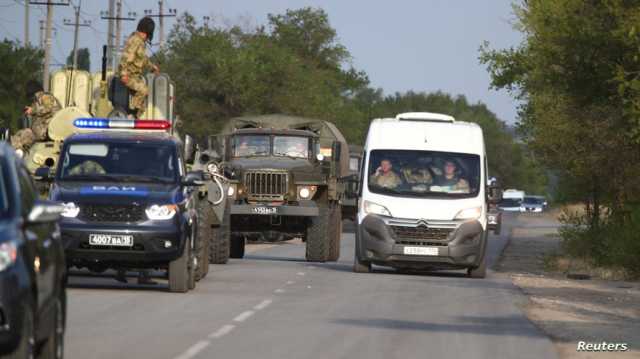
274	305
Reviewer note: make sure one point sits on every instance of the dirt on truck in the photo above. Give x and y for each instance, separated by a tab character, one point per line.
287	179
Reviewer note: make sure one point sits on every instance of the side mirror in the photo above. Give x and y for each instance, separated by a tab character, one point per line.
5	134
494	193
43	174
189	148
193	179
45	211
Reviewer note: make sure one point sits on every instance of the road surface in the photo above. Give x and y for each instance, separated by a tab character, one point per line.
273	304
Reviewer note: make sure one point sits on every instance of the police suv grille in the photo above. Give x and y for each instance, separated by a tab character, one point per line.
266	185
110	213
420	233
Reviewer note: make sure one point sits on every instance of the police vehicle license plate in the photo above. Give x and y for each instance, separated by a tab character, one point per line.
421	251
265	210
111	240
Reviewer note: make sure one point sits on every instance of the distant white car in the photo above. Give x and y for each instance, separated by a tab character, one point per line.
533	204
510	205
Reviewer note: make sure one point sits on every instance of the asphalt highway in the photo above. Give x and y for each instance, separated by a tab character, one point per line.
273	304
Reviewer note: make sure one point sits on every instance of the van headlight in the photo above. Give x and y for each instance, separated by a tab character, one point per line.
70	210
306	192
469	213
161	212
374	208
8	254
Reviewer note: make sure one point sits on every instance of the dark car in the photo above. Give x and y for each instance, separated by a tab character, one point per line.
32	267
129	205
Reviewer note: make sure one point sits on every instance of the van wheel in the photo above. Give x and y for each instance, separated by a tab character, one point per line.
26	347
480	271
237	246
335	233
54	346
179	272
318	236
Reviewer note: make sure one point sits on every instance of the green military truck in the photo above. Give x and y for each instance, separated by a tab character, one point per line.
286	180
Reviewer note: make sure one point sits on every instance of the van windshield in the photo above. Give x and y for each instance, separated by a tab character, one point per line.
424	173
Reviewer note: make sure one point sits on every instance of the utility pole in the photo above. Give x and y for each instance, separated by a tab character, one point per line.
76	24
161	15
131	16
109	15
47	42
42	28
26	24
206	20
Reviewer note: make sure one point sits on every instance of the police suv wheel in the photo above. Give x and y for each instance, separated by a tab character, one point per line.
179	272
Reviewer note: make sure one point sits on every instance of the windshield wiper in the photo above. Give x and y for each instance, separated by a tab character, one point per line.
143	178
92	178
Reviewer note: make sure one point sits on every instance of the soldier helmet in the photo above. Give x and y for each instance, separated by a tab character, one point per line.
32	88
147	25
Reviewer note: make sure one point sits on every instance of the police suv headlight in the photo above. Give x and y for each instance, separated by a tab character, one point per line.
161	212
70	210
306	192
469	213
8	254
374	208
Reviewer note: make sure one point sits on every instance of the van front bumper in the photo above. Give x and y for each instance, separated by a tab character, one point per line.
379	242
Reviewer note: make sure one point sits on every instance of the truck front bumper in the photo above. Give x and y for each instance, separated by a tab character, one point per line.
378	243
303	209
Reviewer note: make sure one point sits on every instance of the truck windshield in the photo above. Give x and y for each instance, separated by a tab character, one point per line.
424	173
250	145
291	146
119	161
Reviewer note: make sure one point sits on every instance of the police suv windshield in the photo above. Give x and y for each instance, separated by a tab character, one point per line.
424	173
119	161
265	145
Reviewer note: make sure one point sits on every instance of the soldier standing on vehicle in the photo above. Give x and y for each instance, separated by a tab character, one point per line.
41	110
134	62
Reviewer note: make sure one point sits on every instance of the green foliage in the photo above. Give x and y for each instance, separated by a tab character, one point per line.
84	59
19	64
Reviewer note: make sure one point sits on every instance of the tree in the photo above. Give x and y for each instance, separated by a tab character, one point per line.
19	64
84	59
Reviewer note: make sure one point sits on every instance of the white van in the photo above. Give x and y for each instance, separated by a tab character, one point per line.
423	195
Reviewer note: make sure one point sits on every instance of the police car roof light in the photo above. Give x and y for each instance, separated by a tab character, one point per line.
106	123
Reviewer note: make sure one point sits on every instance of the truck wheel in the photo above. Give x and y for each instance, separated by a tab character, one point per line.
336	233
203	243
179	272
237	246
318	236
220	241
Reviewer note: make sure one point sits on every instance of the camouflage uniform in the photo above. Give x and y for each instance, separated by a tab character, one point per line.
87	168
44	106
387	180
133	64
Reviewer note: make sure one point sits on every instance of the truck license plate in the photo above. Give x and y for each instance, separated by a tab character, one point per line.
111	240
265	210
421	251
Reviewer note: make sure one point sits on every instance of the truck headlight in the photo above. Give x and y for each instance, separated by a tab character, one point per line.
469	213
161	212
231	191
70	210
306	192
374	208
8	254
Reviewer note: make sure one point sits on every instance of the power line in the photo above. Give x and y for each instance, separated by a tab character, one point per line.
161	15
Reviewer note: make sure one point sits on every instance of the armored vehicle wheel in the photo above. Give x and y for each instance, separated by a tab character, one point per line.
220	248
335	233
205	233
179	272
318	234
237	246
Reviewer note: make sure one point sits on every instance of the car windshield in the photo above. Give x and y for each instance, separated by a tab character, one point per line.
119	161
533	200
424	173
4	195
250	145
510	202
291	146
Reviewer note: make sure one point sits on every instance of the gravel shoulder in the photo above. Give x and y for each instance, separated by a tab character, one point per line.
570	311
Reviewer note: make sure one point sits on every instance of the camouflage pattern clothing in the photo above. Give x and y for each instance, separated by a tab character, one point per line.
87	167
387	180
133	64
44	106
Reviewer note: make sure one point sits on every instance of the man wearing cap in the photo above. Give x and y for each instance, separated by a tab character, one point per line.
41	110
134	62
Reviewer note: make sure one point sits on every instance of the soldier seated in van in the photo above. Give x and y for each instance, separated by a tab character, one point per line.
451	180
416	175
384	176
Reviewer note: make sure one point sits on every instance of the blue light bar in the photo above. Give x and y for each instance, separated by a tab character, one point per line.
104	123
91	123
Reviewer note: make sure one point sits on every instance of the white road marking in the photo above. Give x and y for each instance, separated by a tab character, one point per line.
265	303
300	273
308	287
290	282
222	331
279	290
243	316
194	350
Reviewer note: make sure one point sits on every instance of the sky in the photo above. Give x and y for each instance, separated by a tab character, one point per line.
419	45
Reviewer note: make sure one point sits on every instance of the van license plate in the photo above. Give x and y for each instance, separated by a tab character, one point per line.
265	210
421	251
111	240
